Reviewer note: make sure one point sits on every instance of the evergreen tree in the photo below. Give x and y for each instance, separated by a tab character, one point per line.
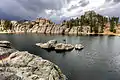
112	24
91	23
81	23
95	26
7	25
77	22
117	20
96	22
102	24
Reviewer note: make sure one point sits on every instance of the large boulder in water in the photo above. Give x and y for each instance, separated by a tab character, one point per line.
52	42
79	47
49	45
4	44
63	47
43	45
26	66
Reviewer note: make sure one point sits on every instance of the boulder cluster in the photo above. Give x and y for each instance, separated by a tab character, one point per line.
52	44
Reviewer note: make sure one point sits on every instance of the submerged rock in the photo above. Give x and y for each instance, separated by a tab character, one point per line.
25	66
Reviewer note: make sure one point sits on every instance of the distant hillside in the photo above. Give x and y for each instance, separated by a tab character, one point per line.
89	23
96	22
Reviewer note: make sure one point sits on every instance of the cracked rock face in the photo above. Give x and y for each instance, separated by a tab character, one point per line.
16	65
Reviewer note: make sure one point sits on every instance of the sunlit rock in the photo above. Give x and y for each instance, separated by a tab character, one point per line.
79	47
63	47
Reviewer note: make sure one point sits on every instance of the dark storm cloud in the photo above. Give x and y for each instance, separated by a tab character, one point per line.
108	0
28	8
57	9
113	0
116	0
72	7
7	16
38	5
84	3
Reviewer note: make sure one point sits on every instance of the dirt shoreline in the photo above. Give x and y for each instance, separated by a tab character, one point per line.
104	34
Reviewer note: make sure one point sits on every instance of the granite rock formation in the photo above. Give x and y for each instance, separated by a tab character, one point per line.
21	65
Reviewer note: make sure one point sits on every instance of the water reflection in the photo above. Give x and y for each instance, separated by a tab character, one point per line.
99	60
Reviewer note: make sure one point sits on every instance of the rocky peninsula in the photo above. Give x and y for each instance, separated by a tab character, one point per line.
88	24
21	65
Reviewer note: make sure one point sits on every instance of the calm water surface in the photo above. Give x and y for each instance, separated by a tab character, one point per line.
99	60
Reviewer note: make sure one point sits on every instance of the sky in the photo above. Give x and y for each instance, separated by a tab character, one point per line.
56	10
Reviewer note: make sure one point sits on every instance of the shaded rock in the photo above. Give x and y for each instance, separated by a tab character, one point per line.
35	28
9	76
73	30
67	31
48	30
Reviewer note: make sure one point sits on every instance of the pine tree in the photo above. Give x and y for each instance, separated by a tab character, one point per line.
112	24
91	22
117	20
95	26
81	23
7	25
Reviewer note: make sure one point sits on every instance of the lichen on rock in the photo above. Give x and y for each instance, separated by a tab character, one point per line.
25	66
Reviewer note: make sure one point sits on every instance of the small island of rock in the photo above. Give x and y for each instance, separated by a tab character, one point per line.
52	44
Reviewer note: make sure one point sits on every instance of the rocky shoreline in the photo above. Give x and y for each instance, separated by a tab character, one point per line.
21	65
18	28
87	34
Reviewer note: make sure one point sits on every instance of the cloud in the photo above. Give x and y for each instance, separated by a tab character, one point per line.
56	9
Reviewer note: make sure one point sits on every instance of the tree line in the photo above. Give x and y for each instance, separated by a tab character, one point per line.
96	22
6	24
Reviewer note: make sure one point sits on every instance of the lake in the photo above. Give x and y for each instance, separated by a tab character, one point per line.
99	60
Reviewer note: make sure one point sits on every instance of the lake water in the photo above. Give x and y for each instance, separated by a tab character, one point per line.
99	60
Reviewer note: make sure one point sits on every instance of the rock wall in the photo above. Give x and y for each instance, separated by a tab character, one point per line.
41	26
16	65
44	26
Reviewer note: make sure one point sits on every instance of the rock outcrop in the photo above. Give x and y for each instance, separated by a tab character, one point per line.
49	45
16	65
39	26
53	45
